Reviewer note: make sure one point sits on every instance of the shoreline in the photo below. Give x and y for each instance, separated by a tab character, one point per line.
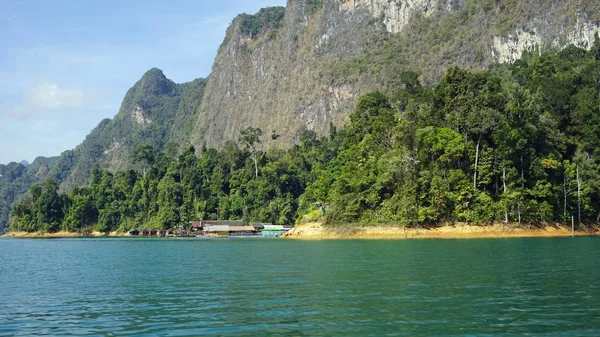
62	234
316	231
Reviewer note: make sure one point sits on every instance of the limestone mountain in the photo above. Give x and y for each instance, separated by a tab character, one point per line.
155	111
301	67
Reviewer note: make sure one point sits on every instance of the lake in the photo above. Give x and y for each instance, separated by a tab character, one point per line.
253	287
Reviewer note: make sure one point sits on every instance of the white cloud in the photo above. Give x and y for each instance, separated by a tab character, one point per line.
50	96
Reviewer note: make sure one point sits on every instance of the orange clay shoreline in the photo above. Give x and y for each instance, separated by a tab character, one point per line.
316	231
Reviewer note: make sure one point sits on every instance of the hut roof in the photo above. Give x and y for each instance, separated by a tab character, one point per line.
241	228
274	228
195	224
260	224
221	228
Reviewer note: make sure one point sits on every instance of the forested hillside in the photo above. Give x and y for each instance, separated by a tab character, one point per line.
16	180
155	111
518	143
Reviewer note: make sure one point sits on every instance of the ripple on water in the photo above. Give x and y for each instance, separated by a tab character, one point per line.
287	288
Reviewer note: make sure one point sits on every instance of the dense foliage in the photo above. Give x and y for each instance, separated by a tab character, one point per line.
268	18
519	143
16	180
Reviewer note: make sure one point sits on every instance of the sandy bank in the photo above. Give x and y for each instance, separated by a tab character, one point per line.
62	234
316	231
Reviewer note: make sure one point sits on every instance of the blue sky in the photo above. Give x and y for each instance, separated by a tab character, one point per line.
66	65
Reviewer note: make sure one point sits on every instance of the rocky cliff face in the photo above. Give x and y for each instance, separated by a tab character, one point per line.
396	14
306	71
275	81
544	34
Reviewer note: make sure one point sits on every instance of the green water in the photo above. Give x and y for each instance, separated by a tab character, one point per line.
137	287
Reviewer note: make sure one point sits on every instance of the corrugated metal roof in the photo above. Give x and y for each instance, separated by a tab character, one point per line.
222	228
241	228
260	224
273	227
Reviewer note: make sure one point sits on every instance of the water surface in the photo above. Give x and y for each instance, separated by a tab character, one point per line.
167	287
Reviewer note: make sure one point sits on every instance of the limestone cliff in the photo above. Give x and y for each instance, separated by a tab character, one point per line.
306	70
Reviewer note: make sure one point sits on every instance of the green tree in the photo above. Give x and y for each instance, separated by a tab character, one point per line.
144	154
250	138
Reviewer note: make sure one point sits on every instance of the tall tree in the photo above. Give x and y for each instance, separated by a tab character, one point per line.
250	138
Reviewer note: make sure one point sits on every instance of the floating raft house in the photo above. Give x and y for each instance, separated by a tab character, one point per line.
273	231
235	228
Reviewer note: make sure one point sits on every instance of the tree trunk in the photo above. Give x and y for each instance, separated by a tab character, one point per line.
504	186
565	198
522	173
476	162
579	182
255	166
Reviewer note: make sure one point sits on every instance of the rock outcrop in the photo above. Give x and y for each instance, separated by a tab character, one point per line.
306	73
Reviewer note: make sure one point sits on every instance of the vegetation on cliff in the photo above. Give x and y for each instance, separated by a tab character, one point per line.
519	143
267	19
155	111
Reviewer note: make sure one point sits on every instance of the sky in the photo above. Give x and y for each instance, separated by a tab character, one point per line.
66	64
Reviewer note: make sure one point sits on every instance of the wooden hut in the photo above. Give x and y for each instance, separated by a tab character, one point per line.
221	231
260	225
149	232
195	226
242	231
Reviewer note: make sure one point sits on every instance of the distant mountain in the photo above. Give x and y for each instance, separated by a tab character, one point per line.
16	179
155	111
24	163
